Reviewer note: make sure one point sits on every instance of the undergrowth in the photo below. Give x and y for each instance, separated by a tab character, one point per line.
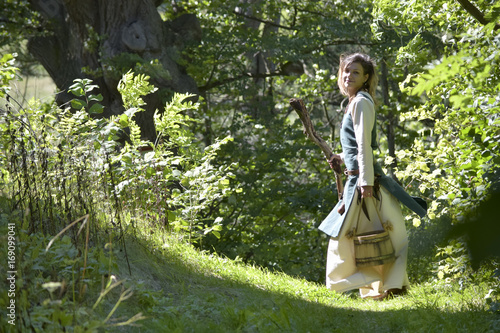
60	286
72	187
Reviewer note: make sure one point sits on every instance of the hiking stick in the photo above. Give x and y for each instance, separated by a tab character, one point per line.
300	108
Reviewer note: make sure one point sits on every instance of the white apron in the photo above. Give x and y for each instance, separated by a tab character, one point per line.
341	271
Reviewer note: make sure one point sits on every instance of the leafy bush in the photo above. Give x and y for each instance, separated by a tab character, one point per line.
65	165
56	282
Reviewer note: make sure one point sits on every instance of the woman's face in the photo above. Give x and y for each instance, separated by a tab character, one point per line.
354	77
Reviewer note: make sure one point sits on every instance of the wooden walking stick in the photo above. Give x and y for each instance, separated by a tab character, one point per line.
300	108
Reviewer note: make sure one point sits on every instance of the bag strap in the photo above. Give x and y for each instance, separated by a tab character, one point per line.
365	210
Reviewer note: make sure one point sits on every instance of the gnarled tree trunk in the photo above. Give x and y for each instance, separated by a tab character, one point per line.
108	37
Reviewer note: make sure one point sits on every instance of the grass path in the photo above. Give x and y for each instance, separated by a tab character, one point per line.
180	289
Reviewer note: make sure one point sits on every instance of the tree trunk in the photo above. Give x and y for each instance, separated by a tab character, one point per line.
261	104
109	37
391	118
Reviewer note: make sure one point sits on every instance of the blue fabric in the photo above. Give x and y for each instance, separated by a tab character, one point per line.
332	224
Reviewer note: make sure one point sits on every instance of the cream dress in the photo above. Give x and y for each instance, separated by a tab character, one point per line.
342	274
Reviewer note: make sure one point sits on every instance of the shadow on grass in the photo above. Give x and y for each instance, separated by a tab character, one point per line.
178	296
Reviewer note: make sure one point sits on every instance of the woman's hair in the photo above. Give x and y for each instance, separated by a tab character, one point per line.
368	65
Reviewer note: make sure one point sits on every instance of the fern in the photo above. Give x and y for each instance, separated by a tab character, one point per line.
172	123
135	133
132	87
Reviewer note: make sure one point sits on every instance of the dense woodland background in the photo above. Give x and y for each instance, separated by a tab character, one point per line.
174	116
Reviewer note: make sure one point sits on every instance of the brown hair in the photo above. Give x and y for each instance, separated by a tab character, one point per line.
368	65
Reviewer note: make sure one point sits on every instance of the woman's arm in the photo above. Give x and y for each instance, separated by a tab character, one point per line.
363	115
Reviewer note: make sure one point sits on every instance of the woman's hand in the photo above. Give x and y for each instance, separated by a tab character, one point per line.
335	162
366	191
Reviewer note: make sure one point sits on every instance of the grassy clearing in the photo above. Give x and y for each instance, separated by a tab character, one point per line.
39	87
177	288
180	289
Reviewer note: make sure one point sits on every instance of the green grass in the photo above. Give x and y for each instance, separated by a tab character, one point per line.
40	87
177	288
180	289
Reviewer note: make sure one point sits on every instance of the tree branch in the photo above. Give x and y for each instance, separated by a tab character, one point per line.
214	84
271	23
209	85
299	106
476	13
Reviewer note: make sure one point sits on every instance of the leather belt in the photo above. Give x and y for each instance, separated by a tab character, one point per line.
351	172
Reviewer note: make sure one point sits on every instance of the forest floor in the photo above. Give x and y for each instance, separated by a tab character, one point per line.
179	289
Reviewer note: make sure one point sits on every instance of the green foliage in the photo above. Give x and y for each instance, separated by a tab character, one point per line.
275	33
81	88
133	87
172	178
173	124
202	187
453	158
56	284
125	62
411	16
58	165
18	21
7	72
454	262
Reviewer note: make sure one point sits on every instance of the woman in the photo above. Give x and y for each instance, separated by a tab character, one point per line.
364	207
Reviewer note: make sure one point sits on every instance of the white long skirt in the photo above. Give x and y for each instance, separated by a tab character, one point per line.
341	271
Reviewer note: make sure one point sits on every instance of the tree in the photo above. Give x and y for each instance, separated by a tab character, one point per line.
102	40
454	158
